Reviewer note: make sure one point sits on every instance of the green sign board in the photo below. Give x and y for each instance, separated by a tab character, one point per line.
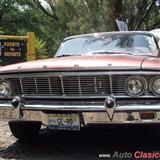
12	51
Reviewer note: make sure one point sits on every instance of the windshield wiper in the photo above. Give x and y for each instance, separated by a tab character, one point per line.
106	52
66	55
122	53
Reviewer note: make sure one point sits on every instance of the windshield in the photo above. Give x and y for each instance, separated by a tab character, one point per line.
136	44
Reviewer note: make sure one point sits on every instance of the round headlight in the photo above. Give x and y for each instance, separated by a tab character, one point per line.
5	89
135	86
155	86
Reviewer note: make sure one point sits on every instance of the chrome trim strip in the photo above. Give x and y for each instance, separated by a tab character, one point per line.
6	106
54	73
84	97
61	79
78	97
84	107
95	84
92	107
50	89
35	82
79	85
64	107
21	85
139	108
111	83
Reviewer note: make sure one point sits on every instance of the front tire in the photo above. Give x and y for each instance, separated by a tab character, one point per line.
24	130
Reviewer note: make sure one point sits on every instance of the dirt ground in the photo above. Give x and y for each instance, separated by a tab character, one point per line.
84	145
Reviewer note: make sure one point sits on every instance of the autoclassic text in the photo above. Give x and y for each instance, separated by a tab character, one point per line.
136	155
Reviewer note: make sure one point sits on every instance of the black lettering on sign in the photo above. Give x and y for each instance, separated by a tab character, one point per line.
12	51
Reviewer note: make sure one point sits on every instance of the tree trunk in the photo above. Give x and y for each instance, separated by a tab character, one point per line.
116	10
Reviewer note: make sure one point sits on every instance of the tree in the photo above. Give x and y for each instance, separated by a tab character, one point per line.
141	14
60	18
82	16
20	17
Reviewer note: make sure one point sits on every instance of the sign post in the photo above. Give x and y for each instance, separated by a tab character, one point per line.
14	49
31	46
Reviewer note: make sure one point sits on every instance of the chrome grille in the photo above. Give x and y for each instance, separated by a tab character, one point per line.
71	86
92	85
68	85
15	84
98	85
118	84
42	85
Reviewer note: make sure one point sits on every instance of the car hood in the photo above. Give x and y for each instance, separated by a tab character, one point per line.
107	62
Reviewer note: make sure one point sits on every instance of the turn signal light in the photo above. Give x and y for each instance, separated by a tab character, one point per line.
147	115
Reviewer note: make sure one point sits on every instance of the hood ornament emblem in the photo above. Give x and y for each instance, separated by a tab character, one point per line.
110	105
109	65
76	65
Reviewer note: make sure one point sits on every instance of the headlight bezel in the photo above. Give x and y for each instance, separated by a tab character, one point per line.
6	84
151	85
143	83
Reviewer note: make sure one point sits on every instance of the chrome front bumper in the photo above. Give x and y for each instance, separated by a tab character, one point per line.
82	108
91	114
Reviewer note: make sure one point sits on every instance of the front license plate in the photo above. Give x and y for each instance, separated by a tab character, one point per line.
64	121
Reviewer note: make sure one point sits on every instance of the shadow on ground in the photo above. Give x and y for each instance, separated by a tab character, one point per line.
87	144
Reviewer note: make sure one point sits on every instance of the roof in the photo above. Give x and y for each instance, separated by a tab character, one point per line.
156	32
105	33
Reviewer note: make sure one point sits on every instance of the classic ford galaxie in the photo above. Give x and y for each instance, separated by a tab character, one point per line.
98	78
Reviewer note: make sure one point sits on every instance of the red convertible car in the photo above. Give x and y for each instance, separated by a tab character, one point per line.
98	78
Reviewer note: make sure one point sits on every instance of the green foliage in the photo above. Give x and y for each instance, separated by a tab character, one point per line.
141	14
60	18
1	30
41	49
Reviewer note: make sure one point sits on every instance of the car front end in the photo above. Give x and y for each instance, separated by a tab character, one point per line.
70	92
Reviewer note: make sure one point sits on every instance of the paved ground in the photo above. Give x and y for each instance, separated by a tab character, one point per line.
84	145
